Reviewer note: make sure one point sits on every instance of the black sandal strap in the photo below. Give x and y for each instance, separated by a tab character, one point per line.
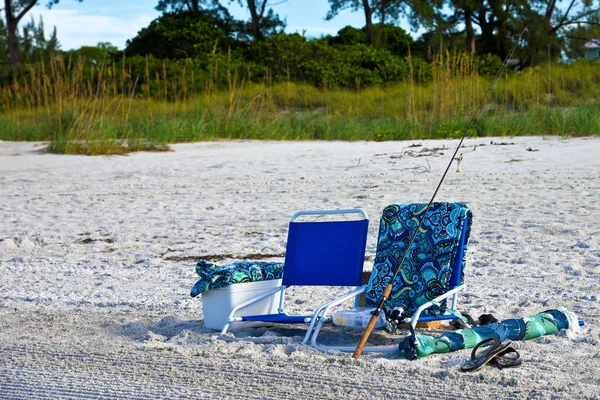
494	339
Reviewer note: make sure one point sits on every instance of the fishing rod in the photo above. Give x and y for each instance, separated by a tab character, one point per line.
388	289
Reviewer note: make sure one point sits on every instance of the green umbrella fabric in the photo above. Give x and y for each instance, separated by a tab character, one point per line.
545	323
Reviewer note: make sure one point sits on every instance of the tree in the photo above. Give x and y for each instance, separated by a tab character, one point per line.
464	11
500	21
28	37
578	35
14	11
33	43
99	53
336	6
349	36
53	44
3	49
549	25
184	35
192	6
262	25
393	38
419	12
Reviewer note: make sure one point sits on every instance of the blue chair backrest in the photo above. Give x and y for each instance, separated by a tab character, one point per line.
329	253
435	262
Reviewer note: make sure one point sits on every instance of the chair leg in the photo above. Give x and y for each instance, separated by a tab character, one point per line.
253	300
313	321
344	348
317	317
454	293
324	310
454	300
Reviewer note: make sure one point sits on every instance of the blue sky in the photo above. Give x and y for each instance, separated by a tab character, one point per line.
93	21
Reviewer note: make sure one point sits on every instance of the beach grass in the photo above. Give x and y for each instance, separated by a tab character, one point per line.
103	109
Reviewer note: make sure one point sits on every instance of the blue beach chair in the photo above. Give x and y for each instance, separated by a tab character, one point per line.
318	253
432	272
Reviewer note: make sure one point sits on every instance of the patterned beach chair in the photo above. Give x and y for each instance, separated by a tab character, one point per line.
318	253
432	273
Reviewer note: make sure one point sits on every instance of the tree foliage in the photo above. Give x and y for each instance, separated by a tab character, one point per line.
491	26
34	46
103	52
4	61
33	42
14	11
203	36
418	12
578	35
292	56
263	20
393	38
185	35
193	7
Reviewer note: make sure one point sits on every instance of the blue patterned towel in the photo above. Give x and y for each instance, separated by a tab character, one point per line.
427	268
213	276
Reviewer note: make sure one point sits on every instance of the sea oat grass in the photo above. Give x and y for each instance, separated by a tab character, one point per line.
106	110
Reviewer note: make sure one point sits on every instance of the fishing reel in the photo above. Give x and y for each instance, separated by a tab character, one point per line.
395	318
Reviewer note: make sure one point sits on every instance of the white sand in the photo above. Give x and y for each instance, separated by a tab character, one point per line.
97	260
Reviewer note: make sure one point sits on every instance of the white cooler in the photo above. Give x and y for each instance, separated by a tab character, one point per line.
218	303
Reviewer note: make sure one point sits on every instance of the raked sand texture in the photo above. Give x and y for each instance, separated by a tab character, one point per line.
97	258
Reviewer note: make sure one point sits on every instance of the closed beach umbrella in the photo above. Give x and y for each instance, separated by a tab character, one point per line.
545	323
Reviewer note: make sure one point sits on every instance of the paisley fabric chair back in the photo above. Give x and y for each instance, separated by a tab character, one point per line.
435	262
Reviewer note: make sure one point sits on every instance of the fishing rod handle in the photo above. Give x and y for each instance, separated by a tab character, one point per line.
365	337
372	322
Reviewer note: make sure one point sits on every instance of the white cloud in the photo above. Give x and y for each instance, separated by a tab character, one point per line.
76	29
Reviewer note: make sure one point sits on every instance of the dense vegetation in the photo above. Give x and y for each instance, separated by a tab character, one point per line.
105	109
196	73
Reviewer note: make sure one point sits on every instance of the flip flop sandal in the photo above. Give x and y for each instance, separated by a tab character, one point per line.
508	358
477	361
